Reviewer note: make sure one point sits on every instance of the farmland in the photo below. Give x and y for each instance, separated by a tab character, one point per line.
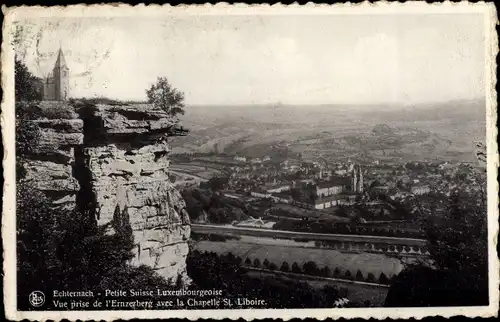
337	132
201	171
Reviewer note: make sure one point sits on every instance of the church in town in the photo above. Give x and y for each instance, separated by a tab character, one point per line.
55	86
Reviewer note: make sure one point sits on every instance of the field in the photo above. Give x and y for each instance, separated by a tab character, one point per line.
202	172
391	133
364	262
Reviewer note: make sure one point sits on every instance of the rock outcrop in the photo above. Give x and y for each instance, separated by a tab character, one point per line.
50	165
114	160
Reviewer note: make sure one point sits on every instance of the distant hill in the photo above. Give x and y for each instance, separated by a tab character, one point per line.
432	131
382	129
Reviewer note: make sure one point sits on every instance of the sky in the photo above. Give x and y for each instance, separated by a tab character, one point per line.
299	59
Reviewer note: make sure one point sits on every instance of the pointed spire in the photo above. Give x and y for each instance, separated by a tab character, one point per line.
61	61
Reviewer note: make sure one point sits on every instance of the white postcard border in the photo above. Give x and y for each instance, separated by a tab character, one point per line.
8	120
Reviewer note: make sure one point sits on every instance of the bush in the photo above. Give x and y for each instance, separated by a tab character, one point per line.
284	267
273	266
296	268
348	275
383	279
359	276
26	85
256	263
310	268
370	278
248	262
58	111
326	272
336	272
265	263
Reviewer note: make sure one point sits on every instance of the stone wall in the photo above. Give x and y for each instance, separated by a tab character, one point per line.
113	160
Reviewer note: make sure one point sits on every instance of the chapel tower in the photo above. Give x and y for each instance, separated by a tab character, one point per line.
61	78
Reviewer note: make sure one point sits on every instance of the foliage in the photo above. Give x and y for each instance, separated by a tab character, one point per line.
162	95
285	267
215	183
296	268
457	240
457	243
383	279
310	268
58	111
27	133
27	86
60	249
325	271
208	270
102	100
214	206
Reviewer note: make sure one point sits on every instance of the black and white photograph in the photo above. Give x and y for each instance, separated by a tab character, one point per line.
237	161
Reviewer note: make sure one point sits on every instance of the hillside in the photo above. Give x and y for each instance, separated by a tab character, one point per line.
445	131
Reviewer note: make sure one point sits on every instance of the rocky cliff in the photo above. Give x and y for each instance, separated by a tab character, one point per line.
112	160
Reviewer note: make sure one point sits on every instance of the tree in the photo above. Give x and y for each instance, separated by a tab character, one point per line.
284	267
265	263
383	279
325	271
296	194
256	263
310	268
27	86
296	268
370	278
162	95
359	276
273	266
457	243
27	97
248	262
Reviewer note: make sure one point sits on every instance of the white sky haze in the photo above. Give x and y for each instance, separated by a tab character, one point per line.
267	59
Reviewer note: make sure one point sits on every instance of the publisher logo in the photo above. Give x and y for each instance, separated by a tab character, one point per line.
37	298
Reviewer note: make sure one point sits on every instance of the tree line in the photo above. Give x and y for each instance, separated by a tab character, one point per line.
227	272
312	269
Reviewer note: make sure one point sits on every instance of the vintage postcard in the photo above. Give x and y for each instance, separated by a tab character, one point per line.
236	161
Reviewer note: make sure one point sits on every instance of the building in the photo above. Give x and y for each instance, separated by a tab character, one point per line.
56	84
345	198
277	188
326	189
240	159
420	190
357	179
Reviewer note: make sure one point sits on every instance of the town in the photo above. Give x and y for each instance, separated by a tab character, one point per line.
368	193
